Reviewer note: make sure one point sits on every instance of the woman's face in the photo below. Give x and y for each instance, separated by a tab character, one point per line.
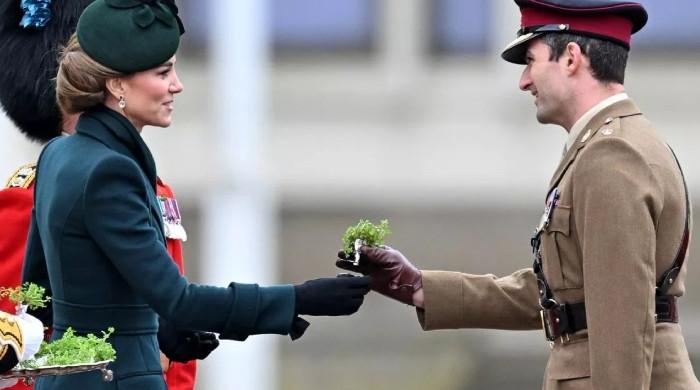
150	95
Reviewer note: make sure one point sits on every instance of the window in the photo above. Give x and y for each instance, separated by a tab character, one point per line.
323	24
461	26
672	24
317	25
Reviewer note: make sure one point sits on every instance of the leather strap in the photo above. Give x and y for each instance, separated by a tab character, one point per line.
671	275
563	319
667	278
568	318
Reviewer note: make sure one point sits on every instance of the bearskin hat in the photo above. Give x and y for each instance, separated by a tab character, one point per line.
29	64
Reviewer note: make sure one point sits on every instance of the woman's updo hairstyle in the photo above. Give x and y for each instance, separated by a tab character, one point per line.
81	83
114	38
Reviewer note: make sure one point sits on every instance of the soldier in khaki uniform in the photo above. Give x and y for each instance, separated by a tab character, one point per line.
610	248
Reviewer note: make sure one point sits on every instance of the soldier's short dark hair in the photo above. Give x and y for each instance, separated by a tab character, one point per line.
608	59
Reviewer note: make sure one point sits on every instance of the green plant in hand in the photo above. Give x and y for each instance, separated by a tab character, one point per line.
29	294
369	233
73	349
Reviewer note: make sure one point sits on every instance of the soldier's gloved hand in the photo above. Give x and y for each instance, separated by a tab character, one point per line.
331	296
184	345
392	274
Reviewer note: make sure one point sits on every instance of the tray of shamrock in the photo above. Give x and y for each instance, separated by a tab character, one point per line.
30	374
71	354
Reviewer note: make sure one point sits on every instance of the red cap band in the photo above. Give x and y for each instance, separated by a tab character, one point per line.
609	25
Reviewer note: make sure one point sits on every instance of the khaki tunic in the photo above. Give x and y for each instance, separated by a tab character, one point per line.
616	229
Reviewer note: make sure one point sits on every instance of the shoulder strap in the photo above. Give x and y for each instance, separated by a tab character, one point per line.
670	276
23	177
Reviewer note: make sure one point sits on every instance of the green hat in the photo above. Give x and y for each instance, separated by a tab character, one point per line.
130	35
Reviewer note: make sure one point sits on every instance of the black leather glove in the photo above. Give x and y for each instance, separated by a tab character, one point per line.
392	274
184	345
331	296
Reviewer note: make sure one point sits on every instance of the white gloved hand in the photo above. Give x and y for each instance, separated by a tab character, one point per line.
33	333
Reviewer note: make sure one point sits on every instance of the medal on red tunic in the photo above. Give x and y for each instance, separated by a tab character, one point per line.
172	219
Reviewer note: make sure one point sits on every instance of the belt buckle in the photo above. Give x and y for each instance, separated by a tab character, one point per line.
549	330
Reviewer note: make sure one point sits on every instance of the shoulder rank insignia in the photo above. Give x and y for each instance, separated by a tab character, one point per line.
10	334
23	177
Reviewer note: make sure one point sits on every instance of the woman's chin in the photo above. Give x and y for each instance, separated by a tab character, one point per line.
164	122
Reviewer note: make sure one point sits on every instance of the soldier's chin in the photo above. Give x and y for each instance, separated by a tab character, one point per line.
544	117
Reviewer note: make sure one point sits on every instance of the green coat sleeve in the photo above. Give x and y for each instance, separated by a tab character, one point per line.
117	216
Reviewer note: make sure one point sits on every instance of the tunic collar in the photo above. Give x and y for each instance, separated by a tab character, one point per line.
583	120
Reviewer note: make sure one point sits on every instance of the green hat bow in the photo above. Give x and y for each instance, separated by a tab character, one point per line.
150	10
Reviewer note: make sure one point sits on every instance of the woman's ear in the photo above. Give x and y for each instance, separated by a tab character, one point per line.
115	87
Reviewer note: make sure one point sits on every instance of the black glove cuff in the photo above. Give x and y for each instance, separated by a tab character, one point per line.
299	326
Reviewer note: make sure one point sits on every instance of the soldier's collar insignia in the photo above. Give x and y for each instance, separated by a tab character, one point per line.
586	136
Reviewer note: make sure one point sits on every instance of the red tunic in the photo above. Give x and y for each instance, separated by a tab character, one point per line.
15	212
15	209
180	376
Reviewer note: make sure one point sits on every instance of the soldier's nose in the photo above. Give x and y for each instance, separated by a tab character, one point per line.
525	81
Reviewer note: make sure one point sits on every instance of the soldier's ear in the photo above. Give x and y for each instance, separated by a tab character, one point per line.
573	58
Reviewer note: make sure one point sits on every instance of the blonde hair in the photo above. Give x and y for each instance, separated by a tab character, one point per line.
81	82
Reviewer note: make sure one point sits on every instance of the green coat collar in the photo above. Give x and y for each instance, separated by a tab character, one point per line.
116	132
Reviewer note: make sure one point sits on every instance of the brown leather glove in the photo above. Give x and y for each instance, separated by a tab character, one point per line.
392	274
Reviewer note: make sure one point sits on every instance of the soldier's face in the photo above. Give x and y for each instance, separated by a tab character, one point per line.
150	95
545	80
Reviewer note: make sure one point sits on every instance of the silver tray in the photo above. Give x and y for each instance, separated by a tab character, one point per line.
30	374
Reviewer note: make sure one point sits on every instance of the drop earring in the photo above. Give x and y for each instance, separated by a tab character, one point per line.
122	102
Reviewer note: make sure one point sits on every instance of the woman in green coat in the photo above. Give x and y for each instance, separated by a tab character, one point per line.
96	238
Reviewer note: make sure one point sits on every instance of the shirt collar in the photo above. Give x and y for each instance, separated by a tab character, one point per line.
583	120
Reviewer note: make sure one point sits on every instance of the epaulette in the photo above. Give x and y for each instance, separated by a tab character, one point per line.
23	177
11	334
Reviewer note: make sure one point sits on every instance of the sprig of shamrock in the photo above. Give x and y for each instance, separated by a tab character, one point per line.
369	233
29	294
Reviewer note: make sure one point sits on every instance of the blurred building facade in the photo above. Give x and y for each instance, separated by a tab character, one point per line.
403	109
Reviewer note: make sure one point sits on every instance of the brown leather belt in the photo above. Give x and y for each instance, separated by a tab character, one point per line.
561	321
